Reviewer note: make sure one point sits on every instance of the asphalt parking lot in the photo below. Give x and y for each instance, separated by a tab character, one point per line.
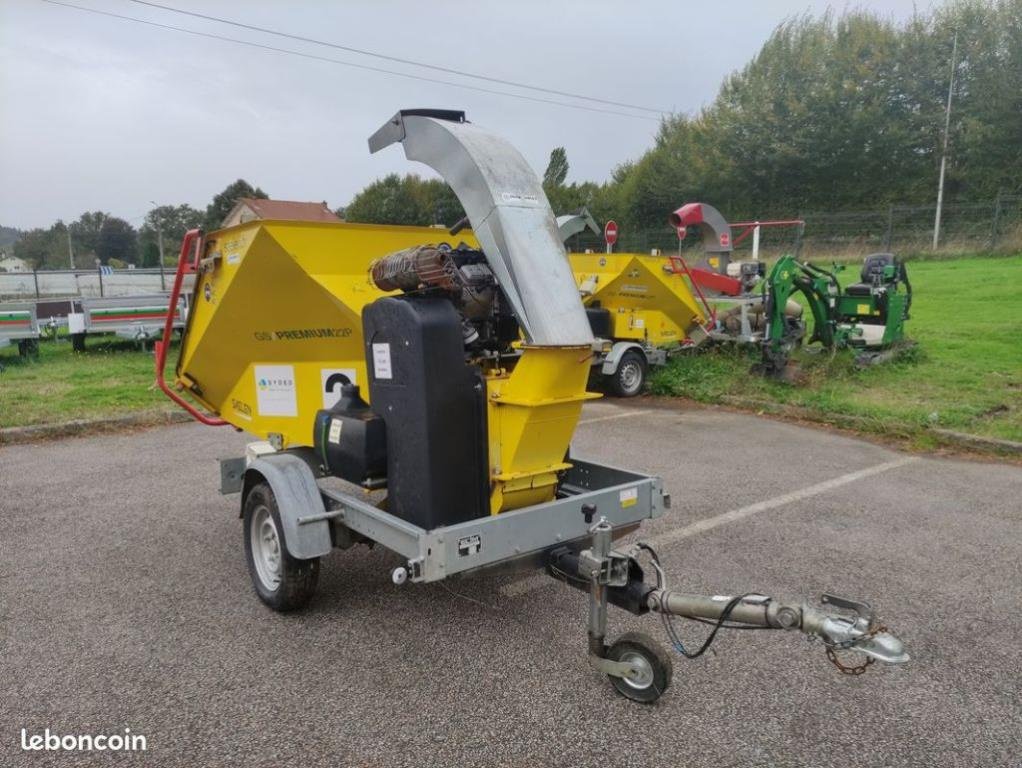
125	602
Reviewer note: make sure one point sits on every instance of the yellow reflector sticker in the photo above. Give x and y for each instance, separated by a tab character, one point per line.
629	497
862	309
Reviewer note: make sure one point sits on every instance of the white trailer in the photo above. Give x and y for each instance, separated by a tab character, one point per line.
18	323
139	318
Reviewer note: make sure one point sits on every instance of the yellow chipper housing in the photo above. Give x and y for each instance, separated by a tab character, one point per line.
449	372
640	308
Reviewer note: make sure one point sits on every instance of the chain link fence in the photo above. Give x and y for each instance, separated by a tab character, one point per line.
966	228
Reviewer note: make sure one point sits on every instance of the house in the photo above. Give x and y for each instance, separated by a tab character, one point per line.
13	264
251	208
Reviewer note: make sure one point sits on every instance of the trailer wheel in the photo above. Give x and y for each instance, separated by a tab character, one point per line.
282	582
629	378
655	667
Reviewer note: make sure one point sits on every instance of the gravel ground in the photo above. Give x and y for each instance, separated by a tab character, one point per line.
125	602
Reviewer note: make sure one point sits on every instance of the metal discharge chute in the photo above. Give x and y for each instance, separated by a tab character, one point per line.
510	217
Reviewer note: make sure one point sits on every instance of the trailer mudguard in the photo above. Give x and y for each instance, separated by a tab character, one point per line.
302	512
616	353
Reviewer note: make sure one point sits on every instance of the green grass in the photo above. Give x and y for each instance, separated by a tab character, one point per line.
113	377
965	374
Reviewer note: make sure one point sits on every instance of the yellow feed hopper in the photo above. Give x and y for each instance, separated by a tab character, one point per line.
277	312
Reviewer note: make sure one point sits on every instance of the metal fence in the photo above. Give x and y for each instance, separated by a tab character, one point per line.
992	226
93	283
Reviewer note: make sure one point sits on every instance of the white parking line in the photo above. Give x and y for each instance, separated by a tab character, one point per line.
709	523
624	415
526	585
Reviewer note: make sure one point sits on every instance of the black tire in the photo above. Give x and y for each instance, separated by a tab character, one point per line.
290	583
636	646
629	378
78	342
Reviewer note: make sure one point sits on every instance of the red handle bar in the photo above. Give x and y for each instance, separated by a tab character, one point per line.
192	243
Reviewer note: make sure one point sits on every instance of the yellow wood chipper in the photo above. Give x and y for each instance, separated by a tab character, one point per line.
449	373
640	308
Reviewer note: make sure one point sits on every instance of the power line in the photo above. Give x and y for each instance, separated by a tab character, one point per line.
399	60
329	60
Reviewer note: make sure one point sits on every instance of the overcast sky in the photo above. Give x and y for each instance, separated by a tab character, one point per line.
97	113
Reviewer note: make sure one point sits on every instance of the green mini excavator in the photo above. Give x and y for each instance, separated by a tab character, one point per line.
868	316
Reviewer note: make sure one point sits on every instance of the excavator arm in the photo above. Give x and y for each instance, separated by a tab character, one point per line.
783	333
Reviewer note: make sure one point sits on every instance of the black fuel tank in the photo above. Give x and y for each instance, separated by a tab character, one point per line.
351	440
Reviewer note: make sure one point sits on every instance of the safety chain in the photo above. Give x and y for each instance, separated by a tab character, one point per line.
845	668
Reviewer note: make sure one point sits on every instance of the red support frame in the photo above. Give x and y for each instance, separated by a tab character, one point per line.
711	313
187	263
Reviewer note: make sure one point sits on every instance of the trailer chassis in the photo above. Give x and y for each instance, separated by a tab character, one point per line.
316	519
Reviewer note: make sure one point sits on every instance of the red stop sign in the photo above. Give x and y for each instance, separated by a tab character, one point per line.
610	232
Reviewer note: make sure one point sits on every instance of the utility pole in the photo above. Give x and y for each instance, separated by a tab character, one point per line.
943	156
70	248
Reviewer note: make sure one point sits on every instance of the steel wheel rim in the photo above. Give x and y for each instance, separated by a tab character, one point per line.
266	548
631	376
644	677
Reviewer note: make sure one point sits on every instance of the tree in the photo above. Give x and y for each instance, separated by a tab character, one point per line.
85	236
9	236
39	247
408	200
174	221
847	112
436	202
117	240
385	201
556	170
222	204
833	112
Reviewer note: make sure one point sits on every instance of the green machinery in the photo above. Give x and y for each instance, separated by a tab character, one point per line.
868	316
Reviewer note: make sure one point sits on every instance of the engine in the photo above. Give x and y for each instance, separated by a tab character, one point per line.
462	276
449	325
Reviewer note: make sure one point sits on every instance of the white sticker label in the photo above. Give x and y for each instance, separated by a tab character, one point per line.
335	431
275	390
76	322
638	322
519	198
629	497
331	380
381	361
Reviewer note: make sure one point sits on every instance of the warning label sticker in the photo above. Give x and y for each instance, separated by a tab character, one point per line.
275	390
629	497
381	361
